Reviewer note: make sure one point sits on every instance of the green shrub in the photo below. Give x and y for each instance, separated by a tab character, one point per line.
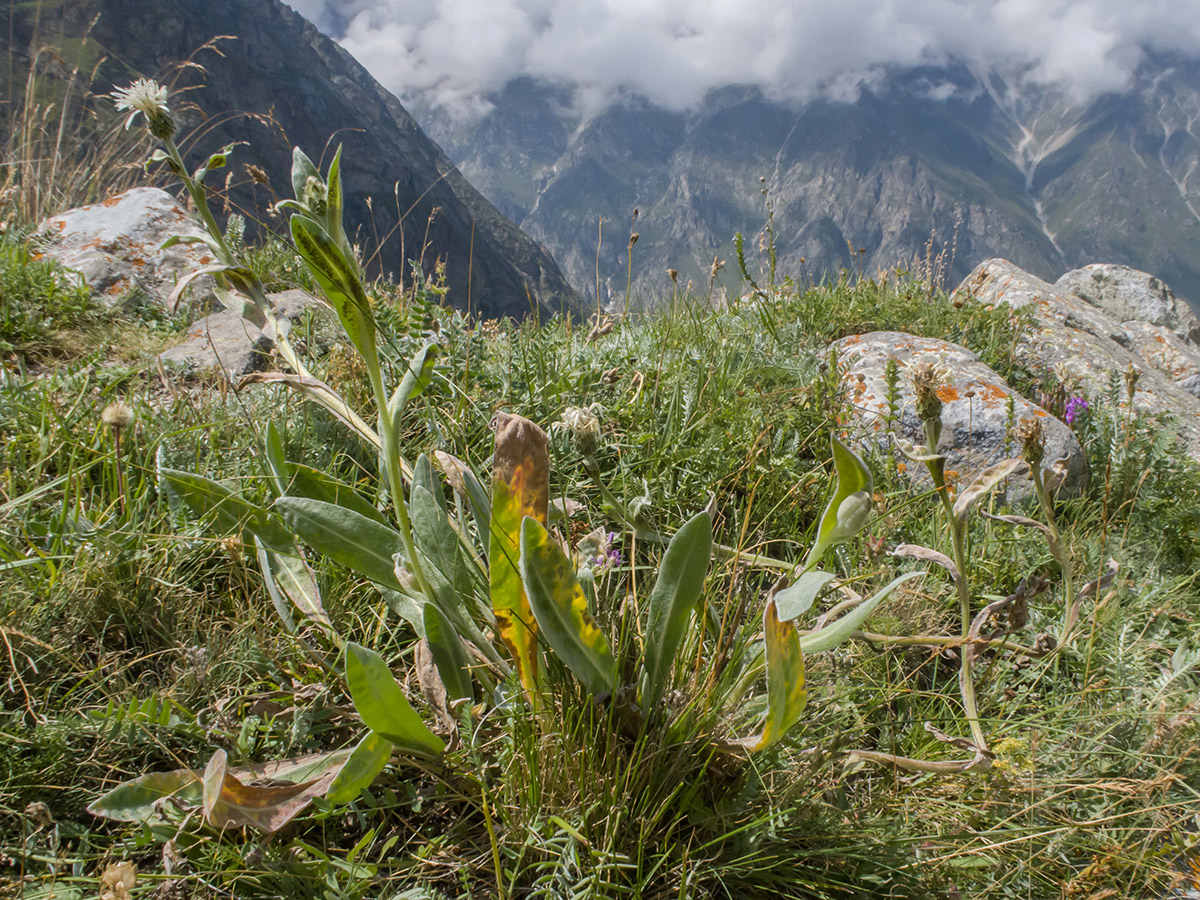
38	298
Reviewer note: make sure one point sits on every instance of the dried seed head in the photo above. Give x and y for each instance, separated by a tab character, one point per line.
927	376
673	274
117	416
1132	376
1033	440
258	175
633	239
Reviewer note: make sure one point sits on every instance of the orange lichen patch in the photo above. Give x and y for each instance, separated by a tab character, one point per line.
138	263
111	202
58	225
118	287
991	392
947	393
1041	412
902	467
852	339
860	388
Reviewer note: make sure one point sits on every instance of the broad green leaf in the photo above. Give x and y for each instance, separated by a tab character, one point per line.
406	606
137	800
838	632
276	459
231	513
449	655
423	476
797	599
852	517
302	170
305	481
382	704
366	761
344	536
289	575
439	543
676	592
852	477
333	201
561	610
417	377
520	488
339	279
786	692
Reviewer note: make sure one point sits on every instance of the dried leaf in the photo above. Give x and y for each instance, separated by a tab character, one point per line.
229	803
916	551
1055	476
989	479
432	688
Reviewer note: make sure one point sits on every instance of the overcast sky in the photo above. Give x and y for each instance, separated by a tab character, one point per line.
673	51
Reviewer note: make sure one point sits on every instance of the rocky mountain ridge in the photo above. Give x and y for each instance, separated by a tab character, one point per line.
277	82
942	158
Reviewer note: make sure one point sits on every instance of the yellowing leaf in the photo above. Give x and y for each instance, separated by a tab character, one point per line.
787	694
560	606
520	488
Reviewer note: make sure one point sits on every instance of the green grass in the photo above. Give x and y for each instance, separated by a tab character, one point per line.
135	641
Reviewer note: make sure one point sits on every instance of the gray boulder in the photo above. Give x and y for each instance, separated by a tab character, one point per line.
1132	296
223	343
976	423
1082	344
116	246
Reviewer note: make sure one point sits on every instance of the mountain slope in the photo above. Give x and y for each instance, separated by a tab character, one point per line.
934	153
280	65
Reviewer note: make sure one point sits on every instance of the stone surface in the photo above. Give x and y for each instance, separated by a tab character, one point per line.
116	246
1085	346
1165	351
222	342
975	418
1132	296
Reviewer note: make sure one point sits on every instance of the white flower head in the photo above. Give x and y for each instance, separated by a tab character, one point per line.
147	97
584	427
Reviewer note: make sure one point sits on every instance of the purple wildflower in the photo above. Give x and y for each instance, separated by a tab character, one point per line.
1076	407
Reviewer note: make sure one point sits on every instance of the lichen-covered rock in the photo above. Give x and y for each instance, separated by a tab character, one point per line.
1084	345
117	247
1132	296
223	343
976	422
1164	350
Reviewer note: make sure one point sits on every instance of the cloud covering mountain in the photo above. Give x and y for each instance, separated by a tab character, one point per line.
674	51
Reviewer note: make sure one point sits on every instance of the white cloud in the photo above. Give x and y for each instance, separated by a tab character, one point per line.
673	51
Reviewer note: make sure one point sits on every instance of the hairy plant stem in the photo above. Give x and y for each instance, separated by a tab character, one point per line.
253	286
391	457
966	683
